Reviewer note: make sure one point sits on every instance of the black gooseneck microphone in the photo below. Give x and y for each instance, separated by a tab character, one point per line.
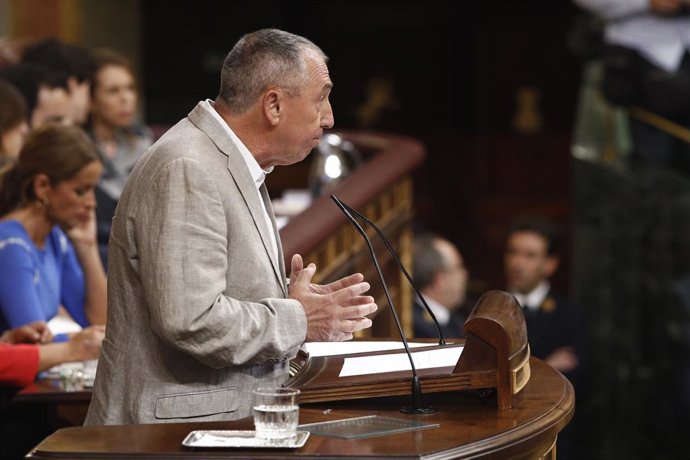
441	339
417	403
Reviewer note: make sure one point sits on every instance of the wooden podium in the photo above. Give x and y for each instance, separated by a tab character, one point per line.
469	427
496	355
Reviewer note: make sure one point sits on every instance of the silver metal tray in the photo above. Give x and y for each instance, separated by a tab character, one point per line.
235	438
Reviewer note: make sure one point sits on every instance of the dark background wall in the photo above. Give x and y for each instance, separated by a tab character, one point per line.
453	70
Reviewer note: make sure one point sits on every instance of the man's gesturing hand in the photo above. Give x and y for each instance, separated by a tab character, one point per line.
334	311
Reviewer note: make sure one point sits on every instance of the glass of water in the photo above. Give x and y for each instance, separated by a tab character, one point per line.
276	413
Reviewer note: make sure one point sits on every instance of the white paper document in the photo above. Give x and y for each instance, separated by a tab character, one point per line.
362	365
63	325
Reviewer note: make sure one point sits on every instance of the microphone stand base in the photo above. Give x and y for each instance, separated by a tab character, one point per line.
418	410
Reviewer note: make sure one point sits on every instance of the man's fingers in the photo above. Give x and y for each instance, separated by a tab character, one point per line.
347	328
334	311
357	300
296	264
341	297
357	312
335	323
343	283
303	277
353	325
342	337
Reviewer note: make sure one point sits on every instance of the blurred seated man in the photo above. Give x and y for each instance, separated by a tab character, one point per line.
47	101
70	67
647	65
553	324
441	277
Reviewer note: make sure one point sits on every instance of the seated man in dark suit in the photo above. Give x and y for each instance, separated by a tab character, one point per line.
554	327
442	279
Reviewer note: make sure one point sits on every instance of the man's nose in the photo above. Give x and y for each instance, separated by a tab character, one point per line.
327	118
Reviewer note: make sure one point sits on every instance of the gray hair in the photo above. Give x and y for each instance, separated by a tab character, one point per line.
267	57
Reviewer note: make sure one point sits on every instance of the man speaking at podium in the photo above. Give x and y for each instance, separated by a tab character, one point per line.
199	311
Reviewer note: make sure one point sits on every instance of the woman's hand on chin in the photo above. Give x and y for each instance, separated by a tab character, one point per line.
84	233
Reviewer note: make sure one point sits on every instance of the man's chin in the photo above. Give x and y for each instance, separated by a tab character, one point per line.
516	287
301	156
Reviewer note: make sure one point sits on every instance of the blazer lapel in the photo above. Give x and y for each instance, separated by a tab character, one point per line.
240	174
276	232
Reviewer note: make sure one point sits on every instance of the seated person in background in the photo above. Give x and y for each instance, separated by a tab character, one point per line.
48	250
118	138
13	124
441	277
21	358
647	65
554	327
47	100
10	51
70	65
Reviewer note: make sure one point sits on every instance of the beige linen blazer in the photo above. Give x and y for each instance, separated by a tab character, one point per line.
198	313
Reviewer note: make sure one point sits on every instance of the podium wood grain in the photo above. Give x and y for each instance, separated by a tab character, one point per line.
469	428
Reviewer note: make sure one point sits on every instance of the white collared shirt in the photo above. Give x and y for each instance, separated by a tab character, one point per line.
663	40
441	313
534	299
258	174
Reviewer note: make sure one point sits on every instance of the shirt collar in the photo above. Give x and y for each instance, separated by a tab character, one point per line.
441	313
258	174
535	298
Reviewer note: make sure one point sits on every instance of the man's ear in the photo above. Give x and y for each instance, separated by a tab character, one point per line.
550	266
436	280
273	105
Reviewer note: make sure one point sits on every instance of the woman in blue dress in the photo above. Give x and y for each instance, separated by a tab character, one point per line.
48	249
